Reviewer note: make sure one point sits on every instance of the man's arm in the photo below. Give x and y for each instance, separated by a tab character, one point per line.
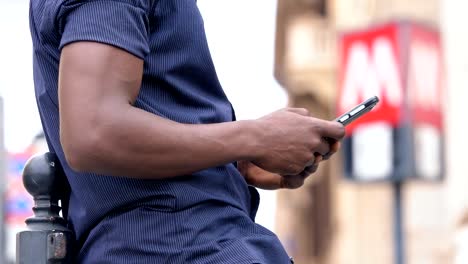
102	132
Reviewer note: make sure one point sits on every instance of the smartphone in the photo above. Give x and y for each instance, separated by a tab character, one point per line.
358	111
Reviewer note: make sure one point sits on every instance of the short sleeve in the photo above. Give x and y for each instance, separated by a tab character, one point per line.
119	23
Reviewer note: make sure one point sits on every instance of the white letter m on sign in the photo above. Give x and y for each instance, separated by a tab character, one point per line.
371	72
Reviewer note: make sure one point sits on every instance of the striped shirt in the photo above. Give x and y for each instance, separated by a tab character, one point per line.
206	217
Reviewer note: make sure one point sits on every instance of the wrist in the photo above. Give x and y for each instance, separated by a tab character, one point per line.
251	138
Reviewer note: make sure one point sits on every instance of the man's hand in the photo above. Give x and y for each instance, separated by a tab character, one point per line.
263	179
290	140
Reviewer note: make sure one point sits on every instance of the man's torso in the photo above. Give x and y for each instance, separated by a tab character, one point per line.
206	217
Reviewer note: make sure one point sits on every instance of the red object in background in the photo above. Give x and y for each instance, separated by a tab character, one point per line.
18	202
370	64
425	77
402	137
402	64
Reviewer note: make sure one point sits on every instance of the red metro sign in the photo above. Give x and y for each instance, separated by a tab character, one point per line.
400	63
402	137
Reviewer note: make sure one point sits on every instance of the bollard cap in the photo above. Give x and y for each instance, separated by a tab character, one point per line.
43	176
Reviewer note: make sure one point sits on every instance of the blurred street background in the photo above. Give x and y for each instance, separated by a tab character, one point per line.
398	190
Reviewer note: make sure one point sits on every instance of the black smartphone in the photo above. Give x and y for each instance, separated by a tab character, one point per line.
358	111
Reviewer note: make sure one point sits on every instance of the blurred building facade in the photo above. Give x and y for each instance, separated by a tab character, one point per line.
331	220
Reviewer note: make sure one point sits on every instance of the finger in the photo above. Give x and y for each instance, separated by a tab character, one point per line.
296	181
322	148
334	147
331	129
309	170
300	111
318	159
292	182
262	179
269	181
312	160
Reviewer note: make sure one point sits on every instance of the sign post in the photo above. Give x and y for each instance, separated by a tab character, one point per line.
402	138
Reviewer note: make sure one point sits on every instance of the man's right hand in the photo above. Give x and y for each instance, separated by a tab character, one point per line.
289	140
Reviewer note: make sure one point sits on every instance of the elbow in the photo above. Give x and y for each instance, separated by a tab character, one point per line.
80	149
75	159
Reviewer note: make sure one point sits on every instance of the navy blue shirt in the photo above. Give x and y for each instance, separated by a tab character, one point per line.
206	217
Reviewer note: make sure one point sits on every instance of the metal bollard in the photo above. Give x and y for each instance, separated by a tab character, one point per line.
47	239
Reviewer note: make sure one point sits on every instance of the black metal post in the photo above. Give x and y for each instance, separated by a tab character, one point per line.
47	240
399	235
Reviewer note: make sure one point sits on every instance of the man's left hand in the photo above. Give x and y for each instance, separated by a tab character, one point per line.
263	179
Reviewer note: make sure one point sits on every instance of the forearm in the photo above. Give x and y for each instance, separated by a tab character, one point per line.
135	143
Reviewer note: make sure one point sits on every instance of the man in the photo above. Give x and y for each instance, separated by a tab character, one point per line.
131	104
